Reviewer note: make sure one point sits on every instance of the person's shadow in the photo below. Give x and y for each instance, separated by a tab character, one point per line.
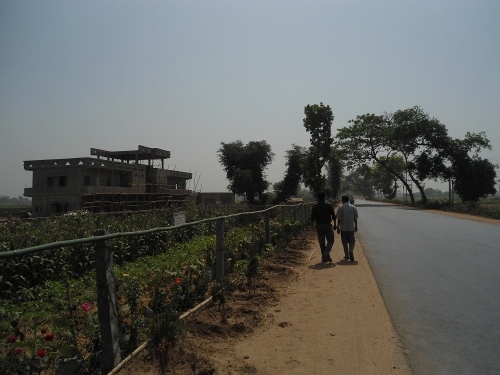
347	262
322	266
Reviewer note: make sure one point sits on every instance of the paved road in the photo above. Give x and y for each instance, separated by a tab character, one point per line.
440	279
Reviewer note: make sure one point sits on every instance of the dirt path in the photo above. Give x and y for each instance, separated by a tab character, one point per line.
332	321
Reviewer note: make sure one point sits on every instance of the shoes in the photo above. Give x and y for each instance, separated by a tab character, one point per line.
329	259
351	257
346	257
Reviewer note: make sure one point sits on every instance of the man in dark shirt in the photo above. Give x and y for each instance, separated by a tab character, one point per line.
322	215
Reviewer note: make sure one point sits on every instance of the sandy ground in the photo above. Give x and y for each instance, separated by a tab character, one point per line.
332	321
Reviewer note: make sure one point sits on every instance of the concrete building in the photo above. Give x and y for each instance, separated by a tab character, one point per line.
110	181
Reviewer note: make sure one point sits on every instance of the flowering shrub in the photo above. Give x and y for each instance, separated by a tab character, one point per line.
27	356
86	306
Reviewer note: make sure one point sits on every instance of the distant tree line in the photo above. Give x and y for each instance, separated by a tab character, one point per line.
20	199
381	153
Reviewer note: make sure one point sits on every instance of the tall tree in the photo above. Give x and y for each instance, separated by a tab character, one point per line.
318	122
293	176
244	166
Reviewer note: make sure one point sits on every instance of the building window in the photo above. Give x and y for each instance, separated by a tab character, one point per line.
50	181
63	180
86	181
108	181
125	178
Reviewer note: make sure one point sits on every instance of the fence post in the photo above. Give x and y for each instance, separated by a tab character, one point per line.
219	252
268	232
294	214
282	215
107	304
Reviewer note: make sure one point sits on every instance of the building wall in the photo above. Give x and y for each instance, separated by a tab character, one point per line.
60	185
66	185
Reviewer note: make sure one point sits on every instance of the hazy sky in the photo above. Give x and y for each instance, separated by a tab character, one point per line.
187	75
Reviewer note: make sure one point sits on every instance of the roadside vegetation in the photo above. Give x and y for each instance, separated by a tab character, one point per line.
48	314
487	207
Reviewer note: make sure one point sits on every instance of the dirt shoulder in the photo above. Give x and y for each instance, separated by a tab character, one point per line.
304	317
467	217
331	320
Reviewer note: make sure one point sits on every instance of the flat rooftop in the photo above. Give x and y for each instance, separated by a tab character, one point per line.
142	153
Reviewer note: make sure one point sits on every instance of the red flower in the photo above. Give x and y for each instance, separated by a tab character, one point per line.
18	351
49	337
41	353
12	338
86	306
178	280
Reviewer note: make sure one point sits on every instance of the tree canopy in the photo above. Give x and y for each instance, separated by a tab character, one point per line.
244	166
474	179
422	142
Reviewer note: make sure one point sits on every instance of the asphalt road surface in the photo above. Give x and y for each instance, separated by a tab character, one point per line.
440	279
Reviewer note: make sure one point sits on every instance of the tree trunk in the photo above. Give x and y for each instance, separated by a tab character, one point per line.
419	186
400	178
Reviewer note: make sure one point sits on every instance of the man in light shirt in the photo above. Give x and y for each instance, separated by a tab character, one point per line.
347	224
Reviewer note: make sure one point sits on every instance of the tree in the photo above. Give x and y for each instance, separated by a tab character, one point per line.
413	134
244	166
474	179
293	176
318	122
410	134
367	140
452	155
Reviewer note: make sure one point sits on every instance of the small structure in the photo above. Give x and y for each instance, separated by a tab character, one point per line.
215	198
111	181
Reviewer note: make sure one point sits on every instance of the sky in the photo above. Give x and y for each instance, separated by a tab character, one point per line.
185	75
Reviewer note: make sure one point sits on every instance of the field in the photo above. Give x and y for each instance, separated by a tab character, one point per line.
48	314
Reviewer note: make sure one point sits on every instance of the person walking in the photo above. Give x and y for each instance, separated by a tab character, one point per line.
322	215
347	217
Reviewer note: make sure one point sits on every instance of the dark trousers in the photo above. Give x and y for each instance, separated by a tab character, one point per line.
325	238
